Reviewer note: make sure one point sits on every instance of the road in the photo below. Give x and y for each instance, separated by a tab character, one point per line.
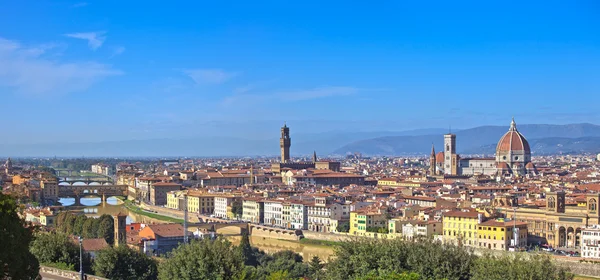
46	276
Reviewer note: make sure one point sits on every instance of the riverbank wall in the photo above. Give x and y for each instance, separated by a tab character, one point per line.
275	233
67	273
192	218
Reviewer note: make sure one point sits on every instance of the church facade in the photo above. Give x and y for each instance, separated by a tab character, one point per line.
513	158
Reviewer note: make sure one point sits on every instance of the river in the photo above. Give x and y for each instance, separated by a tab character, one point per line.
93	207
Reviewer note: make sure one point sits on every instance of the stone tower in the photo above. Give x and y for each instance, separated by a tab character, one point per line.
120	231
285	142
314	157
555	202
432	162
450	157
8	166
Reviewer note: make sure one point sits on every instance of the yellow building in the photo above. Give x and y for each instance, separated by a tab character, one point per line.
20	179
175	200
387	182
201	203
368	218
461	227
499	235
47	218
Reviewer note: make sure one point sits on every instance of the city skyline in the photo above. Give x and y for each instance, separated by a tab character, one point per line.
86	71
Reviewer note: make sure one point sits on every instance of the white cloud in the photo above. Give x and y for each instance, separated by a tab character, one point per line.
118	51
95	39
320	92
28	71
209	76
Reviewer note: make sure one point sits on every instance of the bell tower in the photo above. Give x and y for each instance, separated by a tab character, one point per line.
120	231
450	157
284	143
592	201
432	162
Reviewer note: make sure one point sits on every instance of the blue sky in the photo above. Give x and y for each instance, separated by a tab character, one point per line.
115	70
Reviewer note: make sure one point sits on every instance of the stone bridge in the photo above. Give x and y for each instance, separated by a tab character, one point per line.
252	229
85	181
102	191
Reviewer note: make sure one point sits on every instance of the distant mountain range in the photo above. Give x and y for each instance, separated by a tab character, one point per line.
302	144
543	139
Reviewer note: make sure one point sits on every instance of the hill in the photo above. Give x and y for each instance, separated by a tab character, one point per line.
546	139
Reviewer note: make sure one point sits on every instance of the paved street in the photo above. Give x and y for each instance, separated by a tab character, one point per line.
46	276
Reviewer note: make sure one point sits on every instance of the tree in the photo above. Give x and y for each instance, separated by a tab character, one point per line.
429	259
280	275
249	254
57	248
89	230
236	208
203	259
343	227
518	267
16	262
315	267
106	228
283	261
124	263
374	275
78	225
69	224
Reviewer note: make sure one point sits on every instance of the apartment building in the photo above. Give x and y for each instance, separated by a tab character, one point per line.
253	210
273	213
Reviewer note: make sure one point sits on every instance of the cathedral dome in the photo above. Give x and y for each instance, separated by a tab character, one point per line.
439	157
513	141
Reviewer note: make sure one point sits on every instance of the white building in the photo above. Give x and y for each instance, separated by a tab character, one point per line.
298	215
325	215
220	207
102	168
590	243
274	213
223	206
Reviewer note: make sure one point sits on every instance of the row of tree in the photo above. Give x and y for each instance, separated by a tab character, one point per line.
86	227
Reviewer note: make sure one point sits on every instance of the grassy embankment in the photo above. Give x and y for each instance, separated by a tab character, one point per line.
578	277
309	241
136	209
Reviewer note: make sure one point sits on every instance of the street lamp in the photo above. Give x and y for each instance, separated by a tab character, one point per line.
81	258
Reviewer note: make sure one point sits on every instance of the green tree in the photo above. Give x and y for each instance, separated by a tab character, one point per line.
106	228
315	267
16	262
518	266
89	230
249	254
374	275
203	259
280	275
78	225
283	261
343	227
57	248
431	260
236	208
61	220
124	263
69	224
